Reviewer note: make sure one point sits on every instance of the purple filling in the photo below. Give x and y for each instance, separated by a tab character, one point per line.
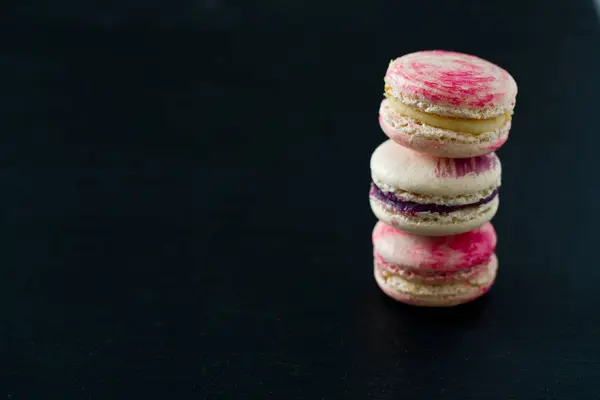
410	207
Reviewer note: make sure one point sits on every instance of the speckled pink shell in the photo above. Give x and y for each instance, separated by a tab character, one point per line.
450	83
435	254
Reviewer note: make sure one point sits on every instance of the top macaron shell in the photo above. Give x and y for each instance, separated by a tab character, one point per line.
441	254
396	167
452	84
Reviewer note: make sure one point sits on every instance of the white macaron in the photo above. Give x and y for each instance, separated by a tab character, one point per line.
431	196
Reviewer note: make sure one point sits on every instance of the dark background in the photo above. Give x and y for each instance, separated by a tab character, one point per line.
184	195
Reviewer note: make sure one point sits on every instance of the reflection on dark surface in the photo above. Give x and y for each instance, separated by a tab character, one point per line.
393	322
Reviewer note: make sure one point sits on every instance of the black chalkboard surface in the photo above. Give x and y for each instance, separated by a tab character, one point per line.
185	203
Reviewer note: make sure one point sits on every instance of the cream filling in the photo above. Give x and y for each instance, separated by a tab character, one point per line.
387	269
471	126
409	126
449	289
472	277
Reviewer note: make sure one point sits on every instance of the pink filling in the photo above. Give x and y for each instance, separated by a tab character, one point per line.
427	275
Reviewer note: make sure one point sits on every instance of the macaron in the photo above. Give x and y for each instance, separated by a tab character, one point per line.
434	271
447	104
433	196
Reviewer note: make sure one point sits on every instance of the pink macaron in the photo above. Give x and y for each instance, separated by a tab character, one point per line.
447	104
434	271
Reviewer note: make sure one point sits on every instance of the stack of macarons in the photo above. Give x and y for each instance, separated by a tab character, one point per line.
435	181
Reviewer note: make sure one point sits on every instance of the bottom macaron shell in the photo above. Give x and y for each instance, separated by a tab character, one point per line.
438	142
437	295
436	224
